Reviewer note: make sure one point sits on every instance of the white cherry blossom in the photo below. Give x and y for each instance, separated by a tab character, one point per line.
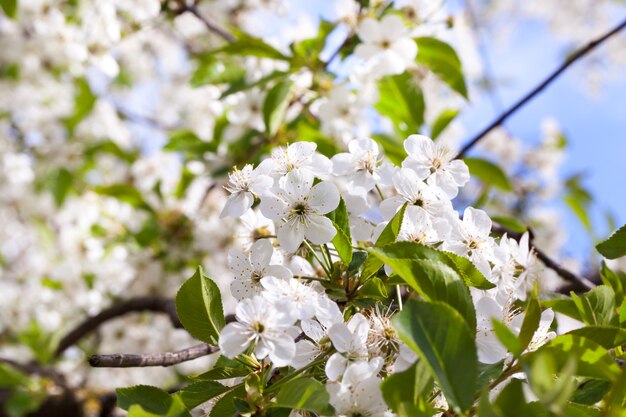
243	185
350	341
436	163
386	43
264	324
250	269
359	165
298	208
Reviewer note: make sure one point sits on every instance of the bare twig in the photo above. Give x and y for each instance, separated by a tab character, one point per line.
578	282
227	36
138	304
573	58
123	360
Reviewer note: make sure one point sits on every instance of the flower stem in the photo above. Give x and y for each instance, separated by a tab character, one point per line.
322	264
399	294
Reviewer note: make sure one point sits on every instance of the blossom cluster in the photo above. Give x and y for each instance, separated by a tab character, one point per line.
285	314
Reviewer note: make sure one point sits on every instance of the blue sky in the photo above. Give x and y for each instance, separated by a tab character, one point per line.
595	126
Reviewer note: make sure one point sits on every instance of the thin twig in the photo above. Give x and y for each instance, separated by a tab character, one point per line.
569	61
227	36
124	360
149	303
576	280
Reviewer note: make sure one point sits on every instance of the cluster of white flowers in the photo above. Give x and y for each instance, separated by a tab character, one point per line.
280	294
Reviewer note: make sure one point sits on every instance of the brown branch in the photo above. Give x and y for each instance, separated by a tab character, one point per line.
577	282
124	360
569	61
149	303
227	36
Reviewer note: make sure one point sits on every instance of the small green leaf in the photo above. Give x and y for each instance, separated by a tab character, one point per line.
389	234
61	185
214	71
275	106
306	394
9	7
199	307
615	246
592	359
441	337
247	45
508	339
188	142
402	101
84	101
489	173
510	223
442	59
408	387
607	337
199	392
342	240
531	321
442	122
148	401
126	193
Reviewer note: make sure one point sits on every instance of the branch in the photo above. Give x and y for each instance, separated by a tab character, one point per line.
138	304
227	36
124	360
573	58
578	282
32	368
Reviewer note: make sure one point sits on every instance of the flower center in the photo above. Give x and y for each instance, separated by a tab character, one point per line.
258	327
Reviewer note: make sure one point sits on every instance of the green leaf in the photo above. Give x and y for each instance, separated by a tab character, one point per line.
510	223
406	389
392	147
470	274
126	193
214	71
442	122
591	391
145	401
247	45
306	394
512	402
531	321
225	406
389	234
508	339
11	377
199	307
224	368
189	143
342	240
614	279
489	173
242	85
596	307
402	101
275	106
442	59
61	185
84	101
615	246
199	392
9	7
578	199
592	359
607	337
428	272
441	337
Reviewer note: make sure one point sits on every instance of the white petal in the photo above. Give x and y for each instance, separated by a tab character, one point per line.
296	185
239	264
306	352
281	347
237	204
369	31
273	207
342	164
290	235
234	339
405	48
244	288
319	230
324	197
392	26
340	336
300	151
278	271
477	219
261	253
335	366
